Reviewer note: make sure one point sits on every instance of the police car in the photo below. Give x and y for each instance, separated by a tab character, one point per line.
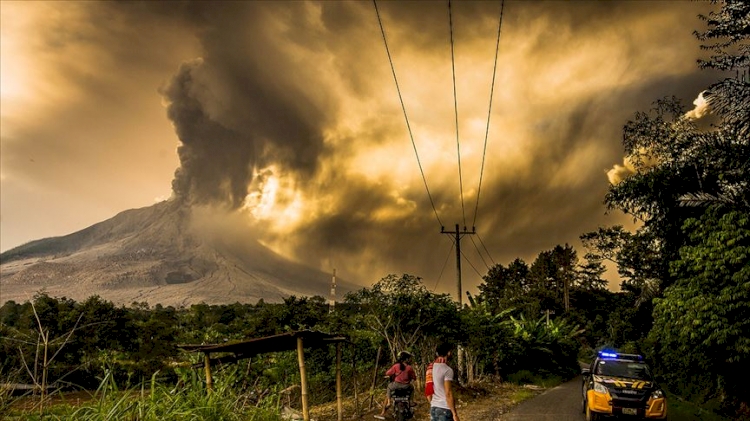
621	385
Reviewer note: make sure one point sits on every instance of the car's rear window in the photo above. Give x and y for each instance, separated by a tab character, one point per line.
627	369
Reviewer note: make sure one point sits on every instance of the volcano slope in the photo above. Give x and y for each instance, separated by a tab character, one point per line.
157	255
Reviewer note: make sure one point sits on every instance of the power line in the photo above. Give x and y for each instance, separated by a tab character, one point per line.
489	112
457	232
455	107
472	266
403	107
444	264
480	253
485	249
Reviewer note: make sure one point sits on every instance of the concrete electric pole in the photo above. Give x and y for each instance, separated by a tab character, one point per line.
458	234
461	363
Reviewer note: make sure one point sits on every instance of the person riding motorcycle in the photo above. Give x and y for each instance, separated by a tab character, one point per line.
401	375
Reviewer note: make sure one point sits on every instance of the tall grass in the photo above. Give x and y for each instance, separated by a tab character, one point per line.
152	401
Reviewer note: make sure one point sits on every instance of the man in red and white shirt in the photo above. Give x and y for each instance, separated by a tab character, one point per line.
442	404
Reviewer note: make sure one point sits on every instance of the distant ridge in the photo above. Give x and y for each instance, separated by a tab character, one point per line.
156	255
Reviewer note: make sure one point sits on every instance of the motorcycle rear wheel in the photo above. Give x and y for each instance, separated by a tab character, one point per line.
400	412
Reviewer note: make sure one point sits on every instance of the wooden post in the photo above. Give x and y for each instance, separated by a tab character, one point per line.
207	366
45	368
354	381
303	379
338	382
374	379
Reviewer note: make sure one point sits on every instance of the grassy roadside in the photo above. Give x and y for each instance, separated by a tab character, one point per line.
682	410
483	400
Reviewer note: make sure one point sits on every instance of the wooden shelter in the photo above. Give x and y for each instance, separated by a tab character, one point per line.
282	342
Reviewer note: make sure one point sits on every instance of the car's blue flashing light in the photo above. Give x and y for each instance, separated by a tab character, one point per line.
615	355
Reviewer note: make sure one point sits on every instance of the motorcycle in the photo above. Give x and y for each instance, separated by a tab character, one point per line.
401	405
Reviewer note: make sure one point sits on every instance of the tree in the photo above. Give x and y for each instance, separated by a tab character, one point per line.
702	325
545	285
406	315
544	347
303	313
487	344
681	167
590	276
691	191
551	275
39	368
505	287
637	255
662	147
103	326
156	343
727	37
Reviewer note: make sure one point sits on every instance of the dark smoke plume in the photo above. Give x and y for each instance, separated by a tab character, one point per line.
244	105
215	161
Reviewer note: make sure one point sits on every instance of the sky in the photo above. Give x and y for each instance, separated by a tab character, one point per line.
284	118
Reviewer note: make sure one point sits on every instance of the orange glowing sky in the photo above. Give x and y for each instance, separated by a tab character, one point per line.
307	90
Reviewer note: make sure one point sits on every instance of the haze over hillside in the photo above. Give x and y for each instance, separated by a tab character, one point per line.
162	254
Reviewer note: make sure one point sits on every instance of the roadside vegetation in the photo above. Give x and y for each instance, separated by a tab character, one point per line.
684	301
128	361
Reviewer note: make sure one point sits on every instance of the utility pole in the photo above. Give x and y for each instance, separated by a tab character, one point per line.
566	286
458	234
332	302
566	293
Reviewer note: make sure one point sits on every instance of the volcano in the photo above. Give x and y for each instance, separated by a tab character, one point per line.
157	255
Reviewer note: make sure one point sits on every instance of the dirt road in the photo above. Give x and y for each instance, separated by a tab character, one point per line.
562	403
492	401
